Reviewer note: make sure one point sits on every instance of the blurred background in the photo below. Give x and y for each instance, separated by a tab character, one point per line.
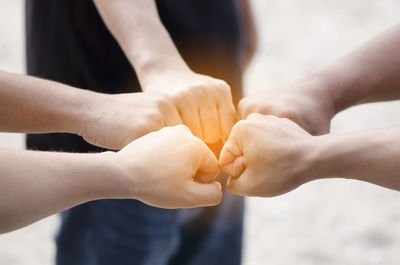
324	222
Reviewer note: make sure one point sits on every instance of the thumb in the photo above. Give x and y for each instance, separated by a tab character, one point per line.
208	194
232	160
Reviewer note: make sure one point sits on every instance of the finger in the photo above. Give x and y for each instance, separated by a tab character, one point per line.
169	116
227	118
243	109
208	168
261	117
191	119
172	116
231	148
240	186
236	168
208	194
210	123
231	160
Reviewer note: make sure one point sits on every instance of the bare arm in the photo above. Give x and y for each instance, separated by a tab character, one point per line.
37	184
138	28
34	185
29	104
368	156
205	103
34	105
267	156
370	73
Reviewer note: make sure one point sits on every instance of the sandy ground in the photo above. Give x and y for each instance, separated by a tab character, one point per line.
324	222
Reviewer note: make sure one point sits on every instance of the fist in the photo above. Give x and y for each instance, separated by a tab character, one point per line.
203	103
265	156
113	121
171	168
305	103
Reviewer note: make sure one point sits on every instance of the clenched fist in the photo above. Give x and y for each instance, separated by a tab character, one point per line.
266	156
306	103
170	168
204	103
113	121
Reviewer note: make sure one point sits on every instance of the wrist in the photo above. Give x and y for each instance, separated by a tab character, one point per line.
331	156
119	183
79	111
318	89
341	81
309	162
149	70
87	111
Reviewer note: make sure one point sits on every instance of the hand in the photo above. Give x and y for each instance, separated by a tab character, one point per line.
266	156
113	121
306	103
171	169
204	103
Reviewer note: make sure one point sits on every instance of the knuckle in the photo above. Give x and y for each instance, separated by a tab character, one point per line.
200	91
182	97
244	103
223	89
257	116
199	144
263	109
287	113
161	102
155	117
143	128
249	105
183	129
269	117
240	126
222	84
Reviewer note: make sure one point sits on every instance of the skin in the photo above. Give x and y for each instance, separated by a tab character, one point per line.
368	74
174	94
204	103
51	182
267	156
34	105
57	181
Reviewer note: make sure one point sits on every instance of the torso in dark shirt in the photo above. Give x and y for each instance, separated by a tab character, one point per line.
67	41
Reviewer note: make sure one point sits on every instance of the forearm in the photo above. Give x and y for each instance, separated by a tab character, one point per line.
368	74
29	104
138	29
37	184
370	156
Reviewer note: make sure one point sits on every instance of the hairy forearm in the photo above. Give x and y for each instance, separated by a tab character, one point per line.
29	104
37	184
138	29
368	74
369	156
